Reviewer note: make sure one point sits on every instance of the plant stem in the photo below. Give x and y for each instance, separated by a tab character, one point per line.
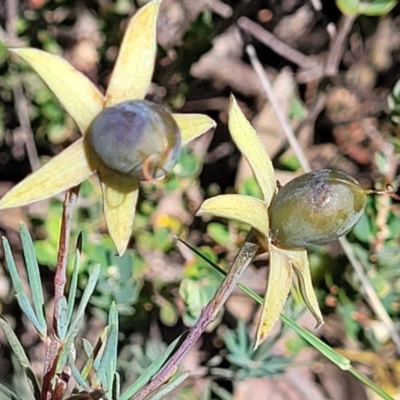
60	278
208	314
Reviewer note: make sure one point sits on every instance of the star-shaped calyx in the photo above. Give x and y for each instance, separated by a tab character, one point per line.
315	208
126	139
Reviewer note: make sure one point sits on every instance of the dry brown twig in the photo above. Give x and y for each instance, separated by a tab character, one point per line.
21	104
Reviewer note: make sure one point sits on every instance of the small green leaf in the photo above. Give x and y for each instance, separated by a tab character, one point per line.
34	277
219	233
76	321
151	370
168	313
87	347
87	293
108	364
116	390
61	318
21	355
7	394
22	297
73	286
77	375
348	7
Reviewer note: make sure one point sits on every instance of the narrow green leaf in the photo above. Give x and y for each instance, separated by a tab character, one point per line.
171	385
98	354
116	390
370	384
108	364
87	293
342	362
7	394
61	318
77	375
73	287
19	352
95	356
151	370
242	337
87	346
23	299
73	329
34	276
222	393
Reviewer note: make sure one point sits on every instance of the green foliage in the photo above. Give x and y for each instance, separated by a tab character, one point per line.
247	362
36	313
371	8
198	286
101	363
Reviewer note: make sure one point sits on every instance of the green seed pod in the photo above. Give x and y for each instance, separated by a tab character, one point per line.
136	137
316	208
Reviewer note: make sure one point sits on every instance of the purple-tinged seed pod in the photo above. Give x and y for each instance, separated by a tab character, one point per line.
136	137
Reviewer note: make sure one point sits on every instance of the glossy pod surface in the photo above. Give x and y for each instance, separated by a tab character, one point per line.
136	136
316	208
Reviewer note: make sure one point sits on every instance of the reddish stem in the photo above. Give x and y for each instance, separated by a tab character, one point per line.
60	279
208	314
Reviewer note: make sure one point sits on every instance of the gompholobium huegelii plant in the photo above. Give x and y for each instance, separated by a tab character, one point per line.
126	139
315	208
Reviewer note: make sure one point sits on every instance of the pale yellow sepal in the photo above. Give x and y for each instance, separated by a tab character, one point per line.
278	287
246	209
193	125
80	98
251	146
120	194
134	67
62	172
301	265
